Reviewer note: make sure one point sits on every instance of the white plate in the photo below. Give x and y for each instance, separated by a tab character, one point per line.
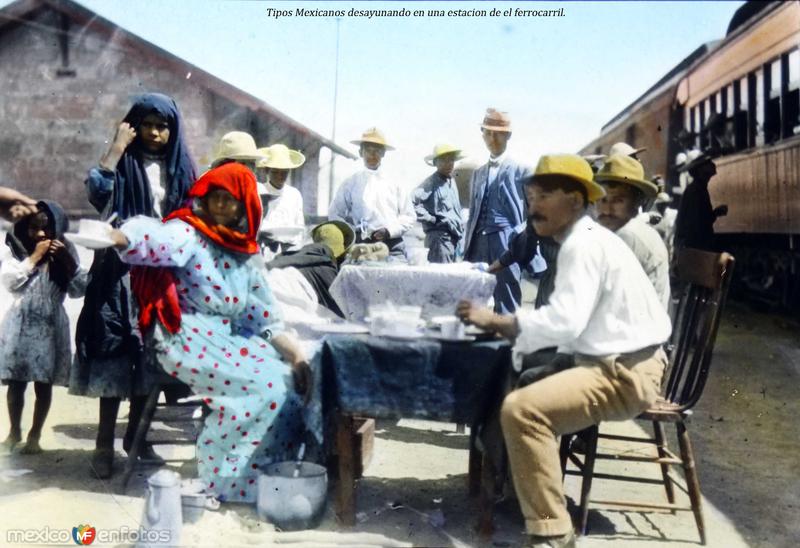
403	336
90	241
439	320
465	338
283	231
352	328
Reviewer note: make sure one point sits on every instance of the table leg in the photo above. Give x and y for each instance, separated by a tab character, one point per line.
488	496
475	460
345	505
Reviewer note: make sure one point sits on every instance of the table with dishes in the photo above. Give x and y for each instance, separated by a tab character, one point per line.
435	287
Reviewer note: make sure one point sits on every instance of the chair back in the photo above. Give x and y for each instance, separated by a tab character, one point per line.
703	281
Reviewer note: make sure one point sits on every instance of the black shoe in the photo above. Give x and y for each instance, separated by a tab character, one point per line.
102	464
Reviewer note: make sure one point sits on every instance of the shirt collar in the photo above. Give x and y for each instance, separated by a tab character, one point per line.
498	160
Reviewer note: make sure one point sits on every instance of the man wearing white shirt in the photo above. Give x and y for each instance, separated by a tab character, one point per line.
605	311
622	177
376	205
283	221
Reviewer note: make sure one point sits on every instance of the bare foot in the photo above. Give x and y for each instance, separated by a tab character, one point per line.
8	444
31	447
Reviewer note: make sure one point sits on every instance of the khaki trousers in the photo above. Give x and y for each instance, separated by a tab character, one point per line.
597	389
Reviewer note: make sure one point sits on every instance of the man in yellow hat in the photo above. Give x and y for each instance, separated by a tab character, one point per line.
497	206
374	203
605	312
319	261
437	205
622	177
283	222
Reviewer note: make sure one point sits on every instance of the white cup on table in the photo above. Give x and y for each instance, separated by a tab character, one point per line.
452	328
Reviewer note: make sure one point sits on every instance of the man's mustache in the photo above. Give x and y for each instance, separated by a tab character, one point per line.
537	217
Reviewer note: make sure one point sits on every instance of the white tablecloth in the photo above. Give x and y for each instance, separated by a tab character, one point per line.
435	287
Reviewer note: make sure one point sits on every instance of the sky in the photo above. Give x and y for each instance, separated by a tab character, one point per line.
427	79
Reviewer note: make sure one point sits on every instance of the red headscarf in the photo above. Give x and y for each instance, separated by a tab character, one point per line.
155	287
241	183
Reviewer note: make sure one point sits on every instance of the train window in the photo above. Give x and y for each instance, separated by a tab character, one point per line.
758	107
793	59
730	100
791	100
772	106
739	89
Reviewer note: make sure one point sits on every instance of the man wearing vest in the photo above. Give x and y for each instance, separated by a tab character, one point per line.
497	205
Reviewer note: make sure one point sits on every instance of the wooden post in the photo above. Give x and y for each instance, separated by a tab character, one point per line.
345	505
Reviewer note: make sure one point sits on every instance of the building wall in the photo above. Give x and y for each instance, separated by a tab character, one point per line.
53	128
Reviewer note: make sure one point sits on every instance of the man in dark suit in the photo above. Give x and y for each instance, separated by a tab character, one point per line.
497	205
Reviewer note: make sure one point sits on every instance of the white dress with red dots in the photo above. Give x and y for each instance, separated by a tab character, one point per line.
228	315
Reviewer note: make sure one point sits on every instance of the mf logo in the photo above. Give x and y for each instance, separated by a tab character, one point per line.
83	535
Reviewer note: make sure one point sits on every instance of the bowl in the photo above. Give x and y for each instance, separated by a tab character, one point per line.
292	503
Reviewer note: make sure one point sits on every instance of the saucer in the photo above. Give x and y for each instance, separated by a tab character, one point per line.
442	338
90	241
403	336
351	328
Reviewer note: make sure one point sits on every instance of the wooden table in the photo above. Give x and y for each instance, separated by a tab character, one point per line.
422	379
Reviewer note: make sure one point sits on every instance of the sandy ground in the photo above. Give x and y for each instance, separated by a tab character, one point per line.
414	491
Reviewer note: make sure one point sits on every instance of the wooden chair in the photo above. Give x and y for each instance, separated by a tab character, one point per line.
705	278
180	414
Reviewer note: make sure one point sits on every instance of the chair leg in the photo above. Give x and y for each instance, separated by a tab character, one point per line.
139	438
475	466
563	453
588	474
661	441
692	482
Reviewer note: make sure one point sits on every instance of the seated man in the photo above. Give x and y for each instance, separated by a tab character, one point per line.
605	311
319	262
622	177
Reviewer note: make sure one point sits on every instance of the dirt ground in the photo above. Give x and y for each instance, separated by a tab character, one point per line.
414	491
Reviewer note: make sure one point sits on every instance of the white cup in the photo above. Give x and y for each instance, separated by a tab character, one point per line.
452	328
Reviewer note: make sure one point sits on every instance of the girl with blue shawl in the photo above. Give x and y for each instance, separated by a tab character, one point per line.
146	171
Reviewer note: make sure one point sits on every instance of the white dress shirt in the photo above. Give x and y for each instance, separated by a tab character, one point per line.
284	211
603	303
650	251
368	200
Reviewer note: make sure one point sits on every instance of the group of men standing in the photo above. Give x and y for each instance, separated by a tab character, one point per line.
379	210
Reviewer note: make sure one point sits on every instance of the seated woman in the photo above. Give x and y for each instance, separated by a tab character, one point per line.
219	328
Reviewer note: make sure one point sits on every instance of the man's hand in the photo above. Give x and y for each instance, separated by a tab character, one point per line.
495	267
40	252
380	235
303	380
487	320
473	315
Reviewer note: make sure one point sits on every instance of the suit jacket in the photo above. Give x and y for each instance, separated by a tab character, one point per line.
509	176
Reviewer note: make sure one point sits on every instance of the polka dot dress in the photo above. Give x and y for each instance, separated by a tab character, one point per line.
222	352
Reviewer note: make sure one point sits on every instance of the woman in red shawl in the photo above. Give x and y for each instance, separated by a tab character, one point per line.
219	328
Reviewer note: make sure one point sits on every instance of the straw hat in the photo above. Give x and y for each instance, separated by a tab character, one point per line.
624	169
441	150
236	145
624	149
338	235
572	166
496	120
373	135
280	157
